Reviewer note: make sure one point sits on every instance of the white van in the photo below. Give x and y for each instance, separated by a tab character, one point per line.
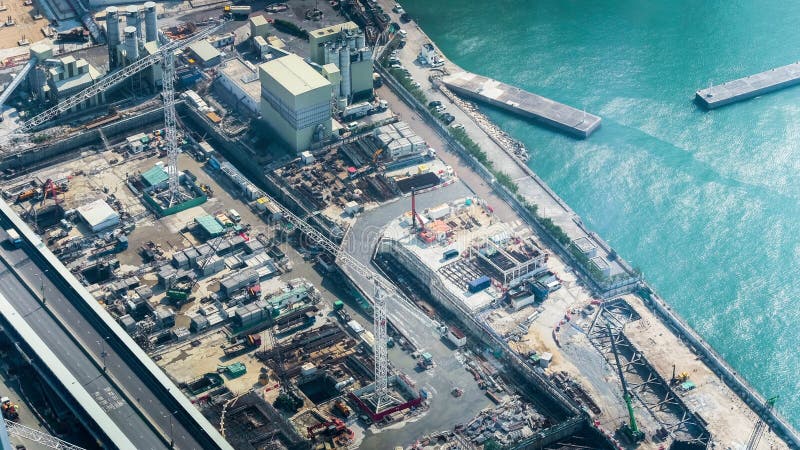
234	215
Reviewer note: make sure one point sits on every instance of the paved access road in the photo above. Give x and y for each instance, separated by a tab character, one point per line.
80	337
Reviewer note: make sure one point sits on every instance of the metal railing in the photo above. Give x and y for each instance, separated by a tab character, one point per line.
41	438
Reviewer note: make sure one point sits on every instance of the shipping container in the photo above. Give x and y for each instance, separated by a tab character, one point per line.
479	284
449	254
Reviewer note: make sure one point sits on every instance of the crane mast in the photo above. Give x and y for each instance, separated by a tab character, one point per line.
170	126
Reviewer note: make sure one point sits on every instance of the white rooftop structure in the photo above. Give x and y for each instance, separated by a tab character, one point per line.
98	215
432	254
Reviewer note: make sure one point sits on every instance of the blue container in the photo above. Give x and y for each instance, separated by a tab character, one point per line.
479	284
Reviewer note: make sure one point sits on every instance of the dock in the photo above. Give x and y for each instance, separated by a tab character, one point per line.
749	87
526	104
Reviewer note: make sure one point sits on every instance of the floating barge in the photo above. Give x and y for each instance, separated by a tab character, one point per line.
749	87
526	104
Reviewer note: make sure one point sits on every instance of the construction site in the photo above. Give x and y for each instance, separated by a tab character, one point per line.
215	179
495	281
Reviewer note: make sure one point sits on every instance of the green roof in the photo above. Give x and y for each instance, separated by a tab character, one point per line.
155	176
278	299
210	225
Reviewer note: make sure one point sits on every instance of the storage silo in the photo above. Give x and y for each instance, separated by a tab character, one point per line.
361	40
150	22
112	33
131	44
344	67
133	19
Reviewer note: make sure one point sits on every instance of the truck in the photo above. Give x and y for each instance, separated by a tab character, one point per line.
237	12
13	237
234	215
356	111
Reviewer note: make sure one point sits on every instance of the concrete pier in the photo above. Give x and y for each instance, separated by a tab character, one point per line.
749	86
526	104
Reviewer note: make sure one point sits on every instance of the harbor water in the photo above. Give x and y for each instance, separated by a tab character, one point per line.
706	204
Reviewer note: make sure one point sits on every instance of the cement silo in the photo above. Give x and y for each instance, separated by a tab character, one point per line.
131	44
150	22
361	40
112	35
133	19
344	68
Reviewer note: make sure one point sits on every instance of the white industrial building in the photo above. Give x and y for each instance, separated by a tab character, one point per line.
70	76
295	101
491	251
240	78
98	215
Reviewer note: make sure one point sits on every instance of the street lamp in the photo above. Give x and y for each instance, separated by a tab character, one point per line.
171	428
103	353
41	288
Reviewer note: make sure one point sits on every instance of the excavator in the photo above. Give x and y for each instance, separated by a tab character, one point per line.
631	429
376	155
335	428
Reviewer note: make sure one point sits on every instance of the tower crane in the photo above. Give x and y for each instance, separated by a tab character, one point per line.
631	429
758	431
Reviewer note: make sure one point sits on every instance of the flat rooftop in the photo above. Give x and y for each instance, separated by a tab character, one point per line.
294	74
333	29
245	75
468	225
527	104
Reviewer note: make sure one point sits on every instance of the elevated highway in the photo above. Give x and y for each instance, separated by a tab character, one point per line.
113	387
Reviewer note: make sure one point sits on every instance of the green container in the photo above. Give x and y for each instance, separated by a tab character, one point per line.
236	370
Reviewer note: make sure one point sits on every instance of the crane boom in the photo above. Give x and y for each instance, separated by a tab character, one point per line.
632	428
114	78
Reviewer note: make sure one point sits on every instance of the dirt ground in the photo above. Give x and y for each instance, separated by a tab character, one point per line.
25	24
729	419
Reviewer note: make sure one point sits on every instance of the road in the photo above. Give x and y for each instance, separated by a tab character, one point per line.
73	344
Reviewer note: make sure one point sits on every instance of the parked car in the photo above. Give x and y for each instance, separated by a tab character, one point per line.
434	104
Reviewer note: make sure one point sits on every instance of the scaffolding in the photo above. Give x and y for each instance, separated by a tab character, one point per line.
509	265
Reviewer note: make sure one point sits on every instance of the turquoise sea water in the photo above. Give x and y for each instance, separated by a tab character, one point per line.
707	204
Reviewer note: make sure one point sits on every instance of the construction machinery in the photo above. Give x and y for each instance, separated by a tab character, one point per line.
376	155
758	431
10	409
241	344
415	217
332	427
678	378
631	429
